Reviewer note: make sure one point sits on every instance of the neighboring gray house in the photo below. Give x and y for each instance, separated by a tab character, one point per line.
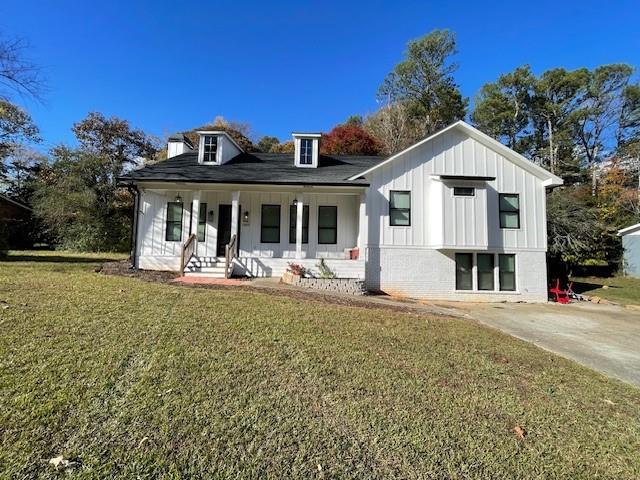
631	246
458	215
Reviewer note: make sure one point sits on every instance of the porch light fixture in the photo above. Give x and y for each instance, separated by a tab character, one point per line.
295	201
245	217
210	214
178	198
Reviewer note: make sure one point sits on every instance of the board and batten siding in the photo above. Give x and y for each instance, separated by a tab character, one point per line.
347	209
440	220
155	253
419	260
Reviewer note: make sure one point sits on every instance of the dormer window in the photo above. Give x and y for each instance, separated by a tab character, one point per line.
307	149
216	147
210	148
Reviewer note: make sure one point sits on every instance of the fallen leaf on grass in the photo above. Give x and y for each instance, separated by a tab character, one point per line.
60	461
165	392
143	441
520	432
606	400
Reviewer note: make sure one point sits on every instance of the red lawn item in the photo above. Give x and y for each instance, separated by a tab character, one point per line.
558	295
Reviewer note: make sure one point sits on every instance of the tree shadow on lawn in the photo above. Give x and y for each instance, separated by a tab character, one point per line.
54	259
586	287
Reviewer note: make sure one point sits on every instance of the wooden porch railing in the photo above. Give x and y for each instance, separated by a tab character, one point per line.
188	250
229	255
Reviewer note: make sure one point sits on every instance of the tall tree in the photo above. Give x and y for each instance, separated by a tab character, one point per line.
77	196
394	125
17	76
502	109
601	118
424	80
557	94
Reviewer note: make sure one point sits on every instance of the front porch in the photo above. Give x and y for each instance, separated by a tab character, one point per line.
262	227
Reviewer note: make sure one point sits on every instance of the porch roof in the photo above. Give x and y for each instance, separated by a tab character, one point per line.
257	168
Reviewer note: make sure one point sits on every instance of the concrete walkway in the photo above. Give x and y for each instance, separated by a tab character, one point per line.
603	337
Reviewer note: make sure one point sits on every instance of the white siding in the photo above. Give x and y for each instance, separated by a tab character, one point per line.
454	153
347	208
418	260
156	253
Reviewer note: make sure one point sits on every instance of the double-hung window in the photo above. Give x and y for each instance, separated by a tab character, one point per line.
202	222
210	148
509	210
464	271
293	222
399	208
507	271
328	225
174	222
270	224
306	151
485	268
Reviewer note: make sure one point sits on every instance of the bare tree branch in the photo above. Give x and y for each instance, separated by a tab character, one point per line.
17	73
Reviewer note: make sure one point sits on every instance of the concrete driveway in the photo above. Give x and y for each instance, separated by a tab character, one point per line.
603	337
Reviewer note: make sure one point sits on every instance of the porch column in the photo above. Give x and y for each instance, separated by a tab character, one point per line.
235	202
195	215
299	218
363	224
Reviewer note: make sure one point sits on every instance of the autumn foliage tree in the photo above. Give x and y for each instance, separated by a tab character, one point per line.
350	139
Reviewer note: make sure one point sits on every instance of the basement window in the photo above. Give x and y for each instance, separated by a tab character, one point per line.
464	271
507	272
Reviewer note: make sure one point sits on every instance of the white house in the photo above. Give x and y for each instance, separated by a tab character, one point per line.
456	216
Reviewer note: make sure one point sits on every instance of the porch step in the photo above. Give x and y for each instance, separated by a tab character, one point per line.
205	266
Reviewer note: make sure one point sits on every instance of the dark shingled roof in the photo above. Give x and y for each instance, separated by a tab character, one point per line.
257	168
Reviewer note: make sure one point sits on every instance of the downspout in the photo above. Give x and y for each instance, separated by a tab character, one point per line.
133	188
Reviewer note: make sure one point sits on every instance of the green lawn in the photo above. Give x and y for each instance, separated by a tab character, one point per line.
143	380
623	290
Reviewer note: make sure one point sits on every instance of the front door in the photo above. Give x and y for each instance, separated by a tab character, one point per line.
224	228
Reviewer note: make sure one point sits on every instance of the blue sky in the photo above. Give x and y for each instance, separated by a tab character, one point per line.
284	66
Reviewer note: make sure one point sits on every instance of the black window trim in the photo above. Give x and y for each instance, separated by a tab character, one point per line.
262	226
470	273
515	273
473	191
493	272
171	222
202	222
335	209
501	211
292	230
391	192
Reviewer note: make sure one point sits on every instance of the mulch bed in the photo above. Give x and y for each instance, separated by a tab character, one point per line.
123	268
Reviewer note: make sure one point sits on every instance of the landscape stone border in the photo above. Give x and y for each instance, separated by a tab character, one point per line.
351	286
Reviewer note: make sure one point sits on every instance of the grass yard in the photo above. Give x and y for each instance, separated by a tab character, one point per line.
623	290
141	380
